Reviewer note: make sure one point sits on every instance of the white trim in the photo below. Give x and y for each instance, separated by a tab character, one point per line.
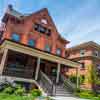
36	53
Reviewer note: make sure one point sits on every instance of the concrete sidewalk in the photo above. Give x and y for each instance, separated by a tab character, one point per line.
67	98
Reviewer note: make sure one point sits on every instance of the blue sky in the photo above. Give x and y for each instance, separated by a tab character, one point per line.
77	20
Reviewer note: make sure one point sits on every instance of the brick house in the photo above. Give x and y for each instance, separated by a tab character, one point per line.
88	54
32	48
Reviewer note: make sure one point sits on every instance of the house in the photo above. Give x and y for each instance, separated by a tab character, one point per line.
88	54
32	48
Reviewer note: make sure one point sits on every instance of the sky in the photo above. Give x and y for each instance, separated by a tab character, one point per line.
76	20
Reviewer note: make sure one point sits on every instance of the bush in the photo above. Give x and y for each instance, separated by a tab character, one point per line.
36	93
8	90
73	79
19	90
85	94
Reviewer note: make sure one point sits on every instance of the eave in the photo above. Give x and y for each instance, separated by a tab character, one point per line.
8	44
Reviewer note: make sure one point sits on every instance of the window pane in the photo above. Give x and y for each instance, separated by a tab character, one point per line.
82	52
96	53
15	37
58	52
47	48
31	42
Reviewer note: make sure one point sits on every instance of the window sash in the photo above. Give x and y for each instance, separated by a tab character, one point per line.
31	42
15	37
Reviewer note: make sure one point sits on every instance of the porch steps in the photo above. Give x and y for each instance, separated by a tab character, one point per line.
61	91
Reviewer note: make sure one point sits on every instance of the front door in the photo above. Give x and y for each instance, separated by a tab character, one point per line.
53	74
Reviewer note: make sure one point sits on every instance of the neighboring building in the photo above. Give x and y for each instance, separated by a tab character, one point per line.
31	44
89	55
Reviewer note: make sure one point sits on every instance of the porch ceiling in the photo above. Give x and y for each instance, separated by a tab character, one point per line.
7	44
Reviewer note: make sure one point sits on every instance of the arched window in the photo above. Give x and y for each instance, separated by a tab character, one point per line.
31	42
47	48
58	51
15	37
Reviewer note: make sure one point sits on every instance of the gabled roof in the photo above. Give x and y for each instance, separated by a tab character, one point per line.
13	12
21	16
85	45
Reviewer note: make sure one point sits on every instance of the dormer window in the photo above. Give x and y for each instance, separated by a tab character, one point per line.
82	52
96	53
44	21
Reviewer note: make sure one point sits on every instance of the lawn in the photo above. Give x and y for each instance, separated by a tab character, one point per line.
4	96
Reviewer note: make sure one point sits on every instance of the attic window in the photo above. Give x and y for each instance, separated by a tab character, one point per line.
82	52
44	21
96	53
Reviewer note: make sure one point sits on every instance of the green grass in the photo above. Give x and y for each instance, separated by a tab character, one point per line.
87	94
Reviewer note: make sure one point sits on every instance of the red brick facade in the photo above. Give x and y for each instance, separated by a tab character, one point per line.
88	59
25	27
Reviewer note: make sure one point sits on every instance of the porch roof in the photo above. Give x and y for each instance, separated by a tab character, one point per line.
8	44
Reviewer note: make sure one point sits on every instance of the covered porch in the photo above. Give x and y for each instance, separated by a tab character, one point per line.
19	60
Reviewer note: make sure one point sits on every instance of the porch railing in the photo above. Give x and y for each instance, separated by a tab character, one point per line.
46	83
68	84
19	72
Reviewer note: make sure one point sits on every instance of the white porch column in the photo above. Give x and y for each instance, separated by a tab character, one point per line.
78	76
58	72
37	68
3	61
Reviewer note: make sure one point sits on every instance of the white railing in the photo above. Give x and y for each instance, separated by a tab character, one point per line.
46	83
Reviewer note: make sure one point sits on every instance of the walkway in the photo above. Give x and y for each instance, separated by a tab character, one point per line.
67	98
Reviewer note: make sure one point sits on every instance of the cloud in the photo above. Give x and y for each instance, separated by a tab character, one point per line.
81	23
76	20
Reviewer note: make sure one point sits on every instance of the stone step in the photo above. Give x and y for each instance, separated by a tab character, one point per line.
64	94
61	91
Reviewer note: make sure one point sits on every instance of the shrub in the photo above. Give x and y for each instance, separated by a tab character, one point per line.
73	79
8	90
36	93
85	94
19	90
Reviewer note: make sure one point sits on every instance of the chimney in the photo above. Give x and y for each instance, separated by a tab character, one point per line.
9	8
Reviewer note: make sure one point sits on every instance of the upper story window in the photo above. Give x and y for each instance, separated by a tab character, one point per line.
96	53
42	29
58	51
82	52
47	48
83	65
31	42
15	37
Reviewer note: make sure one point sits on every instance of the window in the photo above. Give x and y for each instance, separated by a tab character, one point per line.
82	52
31	42
96	53
58	51
48	32
15	37
83	65
44	21
47	48
42	29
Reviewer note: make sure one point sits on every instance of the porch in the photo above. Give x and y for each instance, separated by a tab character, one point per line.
21	61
